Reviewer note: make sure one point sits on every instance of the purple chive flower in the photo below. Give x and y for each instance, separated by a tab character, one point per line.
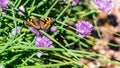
53	29
43	41
13	32
21	9
83	28
34	31
75	2
3	3
104	5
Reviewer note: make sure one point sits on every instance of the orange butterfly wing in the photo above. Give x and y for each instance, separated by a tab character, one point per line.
40	23
46	22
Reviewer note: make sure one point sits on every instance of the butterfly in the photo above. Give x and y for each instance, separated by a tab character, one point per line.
39	23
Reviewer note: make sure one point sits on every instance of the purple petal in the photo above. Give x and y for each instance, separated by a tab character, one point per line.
43	41
21	9
83	28
104	5
4	11
75	2
13	32
34	31
3	3
53	29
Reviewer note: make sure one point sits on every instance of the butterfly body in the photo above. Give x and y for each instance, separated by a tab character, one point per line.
39	23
